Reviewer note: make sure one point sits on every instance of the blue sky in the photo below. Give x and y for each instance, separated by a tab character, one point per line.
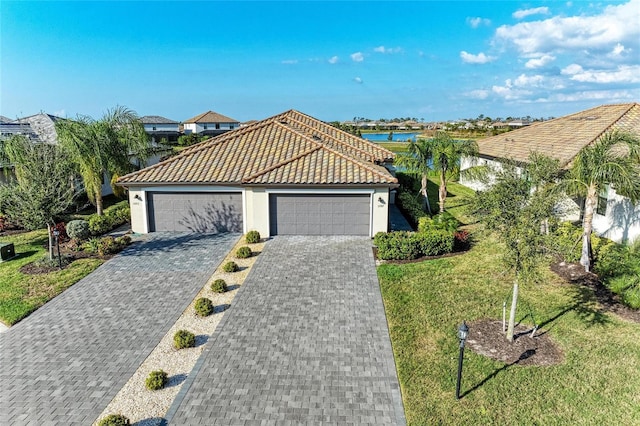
435	60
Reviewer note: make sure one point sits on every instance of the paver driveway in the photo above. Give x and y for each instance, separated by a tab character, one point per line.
305	342
65	362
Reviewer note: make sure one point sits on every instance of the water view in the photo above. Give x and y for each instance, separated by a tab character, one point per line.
384	136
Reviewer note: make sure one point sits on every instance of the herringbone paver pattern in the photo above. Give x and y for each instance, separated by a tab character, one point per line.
305	342
64	363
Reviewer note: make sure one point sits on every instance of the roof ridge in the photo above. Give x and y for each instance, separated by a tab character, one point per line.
376	146
357	161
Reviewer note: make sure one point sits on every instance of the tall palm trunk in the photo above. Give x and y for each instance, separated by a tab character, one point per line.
423	191
587	226
442	192
512	312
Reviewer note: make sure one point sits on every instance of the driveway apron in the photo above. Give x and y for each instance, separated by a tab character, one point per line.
304	342
64	363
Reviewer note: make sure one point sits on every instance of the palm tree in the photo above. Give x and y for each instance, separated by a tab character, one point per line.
417	160
446	154
104	146
614	159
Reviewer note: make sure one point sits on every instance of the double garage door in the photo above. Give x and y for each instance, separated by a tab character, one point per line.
204	212
289	214
319	214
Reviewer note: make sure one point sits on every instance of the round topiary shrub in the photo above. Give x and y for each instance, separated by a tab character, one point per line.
156	380
219	286
78	229
231	267
184	339
252	237
114	420
203	307
243	252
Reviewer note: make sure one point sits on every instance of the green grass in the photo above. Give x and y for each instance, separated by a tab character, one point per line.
21	294
395	147
598	382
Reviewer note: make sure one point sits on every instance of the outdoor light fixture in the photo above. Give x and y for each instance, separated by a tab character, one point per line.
137	197
380	200
463	332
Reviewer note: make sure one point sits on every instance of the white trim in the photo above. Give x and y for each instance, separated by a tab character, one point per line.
319	191
371	201
145	213
244	212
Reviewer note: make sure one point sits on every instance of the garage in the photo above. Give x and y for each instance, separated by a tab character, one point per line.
319	214
204	212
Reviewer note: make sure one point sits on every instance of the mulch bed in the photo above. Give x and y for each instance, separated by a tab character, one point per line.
574	273
486	338
34	268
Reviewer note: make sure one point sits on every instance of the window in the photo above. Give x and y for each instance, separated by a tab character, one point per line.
206	127
601	208
217	126
154	127
230	126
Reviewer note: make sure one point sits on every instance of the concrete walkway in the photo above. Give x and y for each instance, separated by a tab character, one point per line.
304	342
64	363
397	220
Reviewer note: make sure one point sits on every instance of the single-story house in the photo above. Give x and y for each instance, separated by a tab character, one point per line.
161	128
562	138
210	124
288	174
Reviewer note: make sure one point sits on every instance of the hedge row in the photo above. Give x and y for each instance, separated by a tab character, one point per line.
404	245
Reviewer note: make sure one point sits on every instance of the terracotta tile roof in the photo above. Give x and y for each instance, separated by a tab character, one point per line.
289	148
563	137
211	117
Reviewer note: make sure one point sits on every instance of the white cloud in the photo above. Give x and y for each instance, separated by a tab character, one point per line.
480	58
290	61
60	113
382	49
358	80
615	24
520	14
509	92
333	60
357	57
478	94
622	74
540	62
477	21
528	80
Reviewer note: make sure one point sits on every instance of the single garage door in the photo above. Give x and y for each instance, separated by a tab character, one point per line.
301	214
208	212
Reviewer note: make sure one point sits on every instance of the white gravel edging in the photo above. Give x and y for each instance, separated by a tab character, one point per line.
144	407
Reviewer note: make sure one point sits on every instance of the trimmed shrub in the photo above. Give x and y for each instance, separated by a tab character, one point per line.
100	224
123	240
203	307
114	420
411	206
443	221
119	213
108	245
156	380
461	240
399	245
252	237
243	252
78	230
219	286
230	267
184	339
435	243
613	259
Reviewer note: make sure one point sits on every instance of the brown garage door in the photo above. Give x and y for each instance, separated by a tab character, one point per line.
207	212
320	214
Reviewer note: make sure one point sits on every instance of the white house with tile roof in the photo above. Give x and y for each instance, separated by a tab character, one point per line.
210	123
161	128
289	174
562	138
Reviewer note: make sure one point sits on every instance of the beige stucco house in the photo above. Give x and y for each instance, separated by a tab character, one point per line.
288	174
562	138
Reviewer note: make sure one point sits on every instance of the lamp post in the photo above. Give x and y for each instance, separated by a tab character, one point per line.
56	235
463	332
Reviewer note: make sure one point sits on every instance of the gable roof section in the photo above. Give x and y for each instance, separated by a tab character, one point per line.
562	138
211	117
156	119
44	125
289	148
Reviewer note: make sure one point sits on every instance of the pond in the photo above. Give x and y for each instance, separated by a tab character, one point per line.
384	136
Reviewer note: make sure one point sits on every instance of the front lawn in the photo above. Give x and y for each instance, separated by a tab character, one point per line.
21	294
597	382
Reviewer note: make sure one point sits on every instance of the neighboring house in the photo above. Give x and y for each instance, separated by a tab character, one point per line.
210	124
4	119
287	174
562	138
161	128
